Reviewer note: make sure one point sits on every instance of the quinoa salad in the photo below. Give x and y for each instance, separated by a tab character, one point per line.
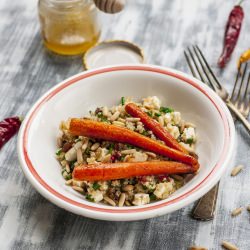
140	190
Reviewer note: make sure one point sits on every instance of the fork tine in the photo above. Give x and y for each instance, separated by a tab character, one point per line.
190	65
208	67
247	87
236	81
241	83
205	70
196	65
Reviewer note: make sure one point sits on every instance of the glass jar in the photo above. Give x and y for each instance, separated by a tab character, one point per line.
68	27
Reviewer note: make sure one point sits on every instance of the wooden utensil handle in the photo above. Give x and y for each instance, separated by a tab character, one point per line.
205	208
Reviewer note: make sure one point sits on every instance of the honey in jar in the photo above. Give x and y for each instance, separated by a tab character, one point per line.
68	27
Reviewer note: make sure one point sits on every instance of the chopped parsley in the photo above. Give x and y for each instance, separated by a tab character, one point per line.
152	197
122	100
166	110
58	151
150	113
129	146
89	197
111	148
189	140
96	185
157	114
68	177
102	117
145	133
72	165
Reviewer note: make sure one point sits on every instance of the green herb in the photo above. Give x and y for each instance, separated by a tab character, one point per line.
58	151
111	148
129	146
102	117
122	157
166	110
68	176
96	185
145	133
87	151
77	140
157	114
72	165
152	197
89	197
122	100
189	140
150	113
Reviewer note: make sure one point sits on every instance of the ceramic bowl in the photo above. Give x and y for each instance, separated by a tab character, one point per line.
77	95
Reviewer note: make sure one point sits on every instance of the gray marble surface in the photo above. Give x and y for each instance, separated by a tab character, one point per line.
163	28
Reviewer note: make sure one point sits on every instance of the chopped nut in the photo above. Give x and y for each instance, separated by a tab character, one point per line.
110	201
197	248
237	211
128	188
95	146
229	245
236	170
79	189
133	119
115	116
153	155
121	200
69	182
177	177
117	123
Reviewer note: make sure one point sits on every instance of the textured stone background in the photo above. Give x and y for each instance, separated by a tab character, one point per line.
163	28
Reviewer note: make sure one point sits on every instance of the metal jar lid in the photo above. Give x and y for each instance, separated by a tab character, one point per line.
112	52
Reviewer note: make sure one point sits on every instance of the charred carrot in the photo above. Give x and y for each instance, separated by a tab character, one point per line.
111	171
101	130
154	126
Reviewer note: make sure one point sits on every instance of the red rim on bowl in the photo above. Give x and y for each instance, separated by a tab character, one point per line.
121	68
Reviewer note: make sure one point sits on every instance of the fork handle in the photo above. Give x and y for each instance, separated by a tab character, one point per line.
205	208
244	121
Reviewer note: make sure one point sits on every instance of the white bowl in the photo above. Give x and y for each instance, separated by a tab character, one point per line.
77	95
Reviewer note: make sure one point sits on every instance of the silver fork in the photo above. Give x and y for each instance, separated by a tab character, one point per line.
238	103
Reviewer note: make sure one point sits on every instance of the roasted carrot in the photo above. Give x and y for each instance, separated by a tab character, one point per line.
158	130
101	130
111	171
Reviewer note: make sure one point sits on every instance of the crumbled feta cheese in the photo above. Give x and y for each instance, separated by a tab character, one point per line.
176	117
103	185
167	118
163	190
141	199
173	130
130	126
101	153
138	157
78	183
152	102
91	160
96	195
188	133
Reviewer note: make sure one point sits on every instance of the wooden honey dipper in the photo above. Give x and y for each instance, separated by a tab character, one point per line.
110	6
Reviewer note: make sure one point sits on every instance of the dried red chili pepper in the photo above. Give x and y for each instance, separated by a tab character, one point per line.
8	127
232	33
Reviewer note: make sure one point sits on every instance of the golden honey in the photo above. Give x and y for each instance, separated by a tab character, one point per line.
68	27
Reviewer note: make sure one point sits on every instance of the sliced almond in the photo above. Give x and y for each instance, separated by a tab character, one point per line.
229	245
236	170
237	211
